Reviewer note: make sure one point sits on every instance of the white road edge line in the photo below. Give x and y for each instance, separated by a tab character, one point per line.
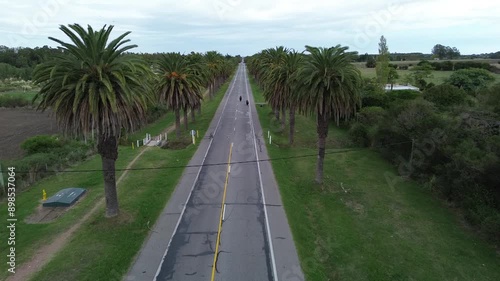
224	212
198	175
273	261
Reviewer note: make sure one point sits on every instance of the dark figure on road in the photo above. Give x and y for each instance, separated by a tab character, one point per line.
247	102
240	98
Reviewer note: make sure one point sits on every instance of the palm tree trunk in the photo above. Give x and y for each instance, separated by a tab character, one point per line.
283	118
186	118
277	113
108	149
199	110
292	124
322	130
193	115
177	123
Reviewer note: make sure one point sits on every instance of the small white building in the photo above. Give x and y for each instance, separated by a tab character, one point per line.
401	87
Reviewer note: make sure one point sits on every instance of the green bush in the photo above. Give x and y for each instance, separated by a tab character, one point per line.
471	80
371	115
371	62
445	95
13	101
403	95
490	225
40	144
47	156
358	135
154	112
490	98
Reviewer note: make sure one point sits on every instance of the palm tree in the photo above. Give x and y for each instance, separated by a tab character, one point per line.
292	64
213	63
197	61
94	86
178	86
329	88
272	59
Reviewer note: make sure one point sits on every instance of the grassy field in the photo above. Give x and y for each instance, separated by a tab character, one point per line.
28	95
414	62
357	227
438	76
104	247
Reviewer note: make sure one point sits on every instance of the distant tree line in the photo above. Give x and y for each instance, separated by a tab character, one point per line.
20	62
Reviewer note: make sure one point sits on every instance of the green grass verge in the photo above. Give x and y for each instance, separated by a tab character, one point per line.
372	231
103	249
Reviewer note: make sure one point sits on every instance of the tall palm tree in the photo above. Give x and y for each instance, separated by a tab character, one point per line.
329	88
93	86
272	59
213	61
178	85
197	61
292	64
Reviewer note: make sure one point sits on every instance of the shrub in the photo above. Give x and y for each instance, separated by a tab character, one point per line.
13	101
154	112
471	80
40	144
403	95
490	98
371	63
445	95
358	135
371	115
490	225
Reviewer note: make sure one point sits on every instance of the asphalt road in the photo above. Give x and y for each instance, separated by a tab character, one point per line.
255	239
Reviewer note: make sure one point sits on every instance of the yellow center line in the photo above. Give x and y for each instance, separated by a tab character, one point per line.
221	213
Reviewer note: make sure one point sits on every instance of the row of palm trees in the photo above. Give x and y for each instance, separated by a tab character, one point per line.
96	85
320	81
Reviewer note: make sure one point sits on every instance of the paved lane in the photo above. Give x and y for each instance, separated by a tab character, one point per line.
186	250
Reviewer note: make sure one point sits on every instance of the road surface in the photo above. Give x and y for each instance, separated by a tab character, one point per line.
232	187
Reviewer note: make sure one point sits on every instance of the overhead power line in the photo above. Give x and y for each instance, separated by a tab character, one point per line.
208	164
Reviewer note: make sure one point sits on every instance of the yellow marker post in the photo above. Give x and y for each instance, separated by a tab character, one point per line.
44	195
133	146
222	212
197	134
194	140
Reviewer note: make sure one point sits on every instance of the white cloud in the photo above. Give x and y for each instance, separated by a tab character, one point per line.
192	24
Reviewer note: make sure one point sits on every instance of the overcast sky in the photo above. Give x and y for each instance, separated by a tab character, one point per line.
246	27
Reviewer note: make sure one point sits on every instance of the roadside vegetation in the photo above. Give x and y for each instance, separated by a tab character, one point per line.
434	199
106	247
365	222
15	99
128	92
